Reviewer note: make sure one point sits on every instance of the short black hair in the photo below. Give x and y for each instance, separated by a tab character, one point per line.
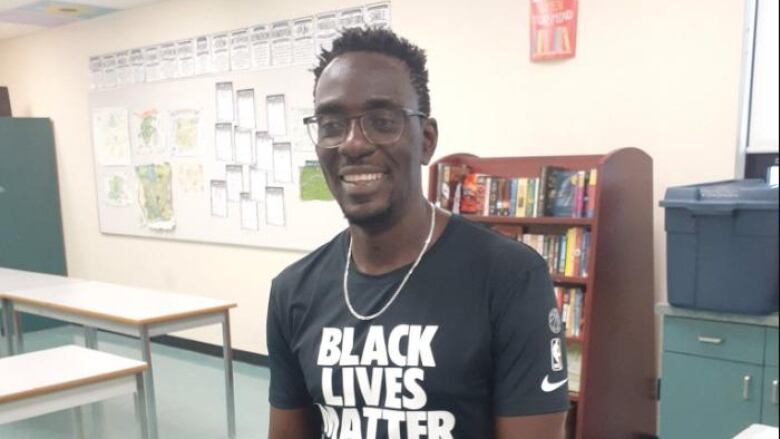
386	42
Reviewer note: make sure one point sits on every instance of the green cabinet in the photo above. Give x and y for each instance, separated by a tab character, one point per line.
719	373
720	393
30	221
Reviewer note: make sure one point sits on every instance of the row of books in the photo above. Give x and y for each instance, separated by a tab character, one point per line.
566	254
557	192
570	304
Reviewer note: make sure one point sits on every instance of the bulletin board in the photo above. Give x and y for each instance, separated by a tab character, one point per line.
203	139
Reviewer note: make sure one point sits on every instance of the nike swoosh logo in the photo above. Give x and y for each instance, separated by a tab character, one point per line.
548	387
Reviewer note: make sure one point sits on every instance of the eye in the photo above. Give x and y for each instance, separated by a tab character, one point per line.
331	126
383	121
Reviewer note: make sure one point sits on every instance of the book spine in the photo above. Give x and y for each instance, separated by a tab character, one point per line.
579	195
513	197
568	269
534	198
490	196
585	252
592	181
541	192
493	200
577	253
561	254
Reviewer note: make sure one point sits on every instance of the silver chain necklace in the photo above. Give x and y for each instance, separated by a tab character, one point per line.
403	282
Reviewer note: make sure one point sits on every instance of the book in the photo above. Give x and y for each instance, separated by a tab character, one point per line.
513	183
561	186
521	209
493	200
591	193
568	269
469	200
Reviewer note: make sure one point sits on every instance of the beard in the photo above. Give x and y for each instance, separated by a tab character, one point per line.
376	220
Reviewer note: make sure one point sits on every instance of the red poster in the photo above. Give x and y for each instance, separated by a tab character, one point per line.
553	29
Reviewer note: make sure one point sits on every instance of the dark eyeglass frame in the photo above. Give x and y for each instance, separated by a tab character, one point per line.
407	112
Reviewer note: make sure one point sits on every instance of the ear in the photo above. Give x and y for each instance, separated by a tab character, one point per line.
430	131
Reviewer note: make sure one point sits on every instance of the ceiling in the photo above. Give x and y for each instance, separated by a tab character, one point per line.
21	17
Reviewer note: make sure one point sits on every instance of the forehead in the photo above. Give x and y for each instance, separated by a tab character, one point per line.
356	80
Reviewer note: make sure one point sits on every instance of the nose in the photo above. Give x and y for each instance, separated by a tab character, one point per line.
355	144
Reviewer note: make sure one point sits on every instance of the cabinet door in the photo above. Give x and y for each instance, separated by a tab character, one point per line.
769	410
708	398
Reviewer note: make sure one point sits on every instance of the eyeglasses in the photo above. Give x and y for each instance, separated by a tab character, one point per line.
381	126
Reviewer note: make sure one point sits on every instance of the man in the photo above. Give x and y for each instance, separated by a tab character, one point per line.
412	323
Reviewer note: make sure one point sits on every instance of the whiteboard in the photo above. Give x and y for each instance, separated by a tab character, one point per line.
216	157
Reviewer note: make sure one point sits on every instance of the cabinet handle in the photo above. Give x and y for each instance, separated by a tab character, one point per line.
710	340
746	387
774	392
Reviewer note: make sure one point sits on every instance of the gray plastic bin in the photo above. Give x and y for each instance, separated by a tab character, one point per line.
722	246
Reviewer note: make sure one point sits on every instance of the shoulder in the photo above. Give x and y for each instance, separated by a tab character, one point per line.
502	253
322	260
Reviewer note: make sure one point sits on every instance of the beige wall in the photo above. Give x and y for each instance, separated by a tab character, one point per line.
661	75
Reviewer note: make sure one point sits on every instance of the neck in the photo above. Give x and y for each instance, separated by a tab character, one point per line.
381	249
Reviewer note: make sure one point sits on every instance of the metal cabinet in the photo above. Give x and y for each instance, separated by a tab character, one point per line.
30	220
716	377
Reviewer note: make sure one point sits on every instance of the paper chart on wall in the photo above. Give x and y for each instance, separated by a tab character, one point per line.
240	56
261	47
250	220
111	136
282	153
185	133
155	195
244	146
303	41
188	176
264	146
223	142
224	97
219	206
202	55
235	181
153	71
169	63
185	51
277	115
274	206
146	132
245	105
327	30
220	53
108	62
116	187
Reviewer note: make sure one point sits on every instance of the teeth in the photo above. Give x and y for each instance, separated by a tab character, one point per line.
358	178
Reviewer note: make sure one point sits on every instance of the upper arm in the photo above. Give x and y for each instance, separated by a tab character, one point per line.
294	424
529	352
549	426
288	385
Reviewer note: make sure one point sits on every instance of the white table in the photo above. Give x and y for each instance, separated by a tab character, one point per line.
136	312
14	279
758	431
67	377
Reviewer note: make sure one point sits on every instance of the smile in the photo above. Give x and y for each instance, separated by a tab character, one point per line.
361	178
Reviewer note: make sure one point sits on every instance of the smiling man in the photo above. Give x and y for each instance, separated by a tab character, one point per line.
411	323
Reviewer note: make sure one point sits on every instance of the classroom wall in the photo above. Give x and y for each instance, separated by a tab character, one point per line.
660	75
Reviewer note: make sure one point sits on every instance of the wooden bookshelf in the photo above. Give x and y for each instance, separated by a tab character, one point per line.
616	396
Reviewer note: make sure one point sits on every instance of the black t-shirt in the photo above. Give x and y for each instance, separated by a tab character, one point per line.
474	334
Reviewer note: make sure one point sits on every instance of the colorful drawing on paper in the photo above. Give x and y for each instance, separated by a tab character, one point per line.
155	196
189	177
185	133
116	188
111	136
146	132
553	29
313	185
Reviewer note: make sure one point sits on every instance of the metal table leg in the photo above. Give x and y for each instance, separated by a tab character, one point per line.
90	337
19	333
227	354
146	350
141	408
8	317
